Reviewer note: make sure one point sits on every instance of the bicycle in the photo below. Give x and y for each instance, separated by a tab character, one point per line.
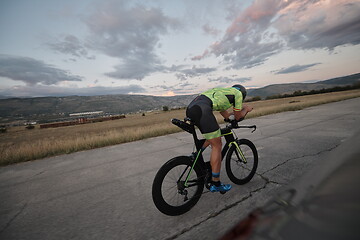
179	183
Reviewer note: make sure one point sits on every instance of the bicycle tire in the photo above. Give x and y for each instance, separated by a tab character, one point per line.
167	195
237	170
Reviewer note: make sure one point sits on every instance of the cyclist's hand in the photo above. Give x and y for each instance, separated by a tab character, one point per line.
230	119
248	108
234	124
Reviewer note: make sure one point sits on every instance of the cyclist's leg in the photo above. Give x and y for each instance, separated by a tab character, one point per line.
215	161
200	111
206	144
215	157
211	131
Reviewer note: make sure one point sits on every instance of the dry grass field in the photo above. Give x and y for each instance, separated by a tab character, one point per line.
19	144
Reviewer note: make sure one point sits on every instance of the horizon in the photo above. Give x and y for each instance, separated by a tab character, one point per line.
24	97
163	48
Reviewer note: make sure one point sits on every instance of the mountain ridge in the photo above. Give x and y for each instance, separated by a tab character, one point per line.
275	89
123	104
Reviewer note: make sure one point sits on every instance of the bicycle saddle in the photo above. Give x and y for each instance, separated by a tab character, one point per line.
183	125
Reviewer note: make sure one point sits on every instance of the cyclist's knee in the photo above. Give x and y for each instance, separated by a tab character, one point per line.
215	142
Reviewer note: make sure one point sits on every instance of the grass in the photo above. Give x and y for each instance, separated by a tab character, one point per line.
19	144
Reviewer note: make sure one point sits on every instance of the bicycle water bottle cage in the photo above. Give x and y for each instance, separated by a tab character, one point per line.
183	125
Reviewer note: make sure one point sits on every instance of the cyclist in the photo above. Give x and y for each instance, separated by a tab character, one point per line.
200	110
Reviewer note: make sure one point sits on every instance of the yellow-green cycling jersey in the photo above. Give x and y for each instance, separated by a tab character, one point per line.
224	98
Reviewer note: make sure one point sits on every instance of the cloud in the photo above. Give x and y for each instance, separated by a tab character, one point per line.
247	41
230	80
180	88
267	27
295	68
185	73
70	45
136	68
164	87
32	71
210	30
43	91
194	71
185	85
320	24
131	34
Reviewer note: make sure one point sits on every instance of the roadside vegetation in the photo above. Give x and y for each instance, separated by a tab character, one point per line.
19	144
312	92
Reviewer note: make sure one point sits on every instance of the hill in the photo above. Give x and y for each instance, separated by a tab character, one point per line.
57	107
292	87
110	104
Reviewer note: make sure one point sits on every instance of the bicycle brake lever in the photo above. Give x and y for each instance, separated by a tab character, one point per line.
254	128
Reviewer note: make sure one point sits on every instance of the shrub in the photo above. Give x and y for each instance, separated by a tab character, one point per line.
253	99
323	90
30	127
2	129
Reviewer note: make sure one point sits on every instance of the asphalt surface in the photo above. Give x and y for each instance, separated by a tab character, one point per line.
106	193
322	204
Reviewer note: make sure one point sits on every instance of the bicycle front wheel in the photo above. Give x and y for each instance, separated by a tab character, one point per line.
177	188
241	161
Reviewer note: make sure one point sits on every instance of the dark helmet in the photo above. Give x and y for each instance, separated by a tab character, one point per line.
241	88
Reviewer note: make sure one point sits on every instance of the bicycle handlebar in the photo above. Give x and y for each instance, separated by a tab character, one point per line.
190	129
234	125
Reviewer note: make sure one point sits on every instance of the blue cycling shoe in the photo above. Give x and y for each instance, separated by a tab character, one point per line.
221	188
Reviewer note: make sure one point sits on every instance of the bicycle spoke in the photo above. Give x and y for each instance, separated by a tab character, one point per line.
239	163
176	189
171	192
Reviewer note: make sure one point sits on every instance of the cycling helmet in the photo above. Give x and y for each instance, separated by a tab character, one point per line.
241	88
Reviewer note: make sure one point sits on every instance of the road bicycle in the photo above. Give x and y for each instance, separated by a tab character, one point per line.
179	183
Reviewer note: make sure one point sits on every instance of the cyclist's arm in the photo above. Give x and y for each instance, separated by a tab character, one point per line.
242	113
240	110
238	114
225	114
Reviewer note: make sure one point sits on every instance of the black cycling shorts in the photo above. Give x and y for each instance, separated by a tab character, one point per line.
200	111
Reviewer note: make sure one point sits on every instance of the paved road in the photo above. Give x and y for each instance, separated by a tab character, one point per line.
106	193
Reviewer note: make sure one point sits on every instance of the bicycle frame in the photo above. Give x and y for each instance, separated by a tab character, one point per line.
176	196
230	139
226	132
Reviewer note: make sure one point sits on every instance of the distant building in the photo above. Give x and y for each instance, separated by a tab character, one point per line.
86	113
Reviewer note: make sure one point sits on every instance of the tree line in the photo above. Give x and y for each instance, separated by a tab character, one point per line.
312	92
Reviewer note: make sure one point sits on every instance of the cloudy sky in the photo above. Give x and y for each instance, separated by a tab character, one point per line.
162	47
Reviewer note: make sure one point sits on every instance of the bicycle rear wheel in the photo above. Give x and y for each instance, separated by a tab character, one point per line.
241	163
170	193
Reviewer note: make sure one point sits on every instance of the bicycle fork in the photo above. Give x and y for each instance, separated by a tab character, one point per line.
238	151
